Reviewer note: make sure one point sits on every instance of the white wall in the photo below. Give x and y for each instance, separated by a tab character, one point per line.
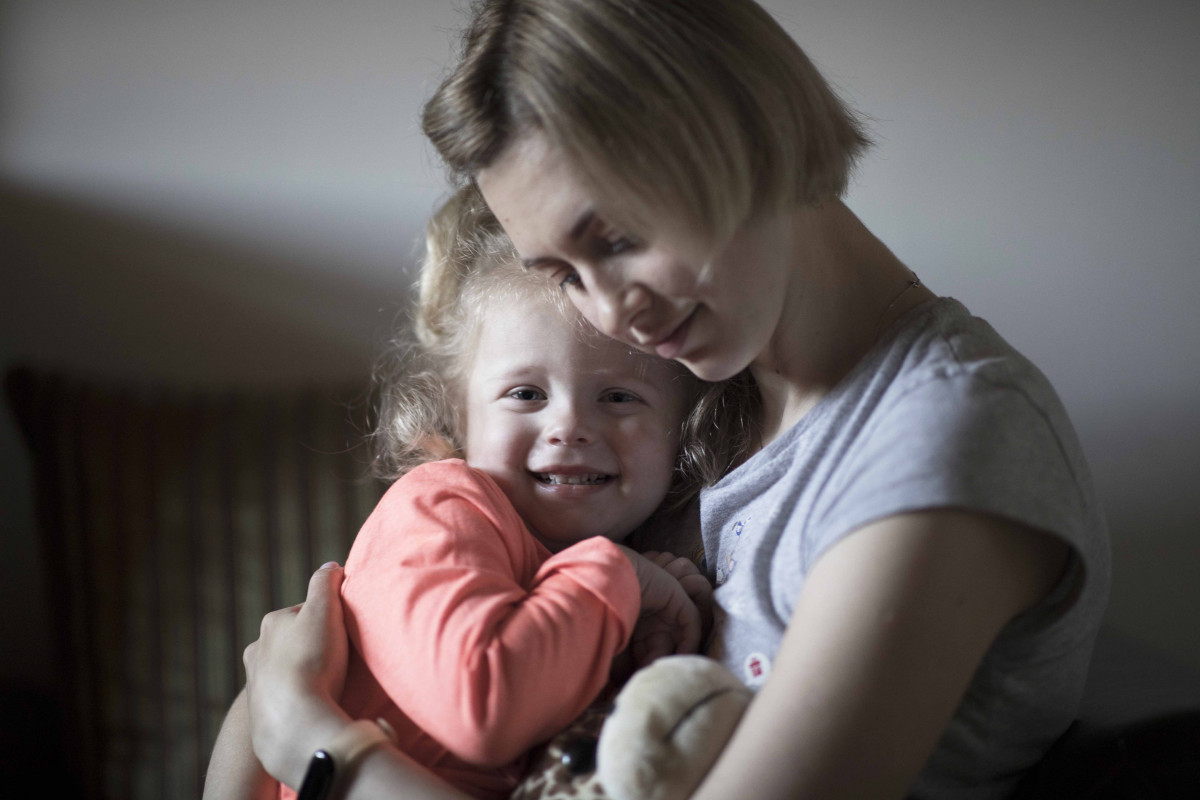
258	165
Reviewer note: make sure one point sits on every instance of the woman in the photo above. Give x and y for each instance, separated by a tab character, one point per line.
912	567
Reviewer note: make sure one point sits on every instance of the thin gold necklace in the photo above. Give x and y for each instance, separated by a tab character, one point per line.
912	284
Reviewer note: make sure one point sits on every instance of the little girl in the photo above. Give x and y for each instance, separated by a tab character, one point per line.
486	599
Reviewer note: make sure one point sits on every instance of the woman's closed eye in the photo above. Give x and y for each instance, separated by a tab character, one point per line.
606	247
569	279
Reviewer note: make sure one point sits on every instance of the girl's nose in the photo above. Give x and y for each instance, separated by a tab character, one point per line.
568	426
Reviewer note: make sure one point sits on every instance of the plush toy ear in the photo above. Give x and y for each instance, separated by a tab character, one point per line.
670	723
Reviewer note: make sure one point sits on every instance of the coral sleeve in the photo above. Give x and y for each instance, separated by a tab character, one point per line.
480	635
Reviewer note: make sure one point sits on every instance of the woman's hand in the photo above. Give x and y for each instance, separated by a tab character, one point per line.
294	676
669	622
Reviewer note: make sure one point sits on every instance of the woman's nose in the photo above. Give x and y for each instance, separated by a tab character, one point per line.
623	312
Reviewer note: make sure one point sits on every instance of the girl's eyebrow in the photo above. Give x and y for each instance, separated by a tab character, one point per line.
577	230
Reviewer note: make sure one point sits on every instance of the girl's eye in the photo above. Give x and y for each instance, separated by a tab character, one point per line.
619	396
526	395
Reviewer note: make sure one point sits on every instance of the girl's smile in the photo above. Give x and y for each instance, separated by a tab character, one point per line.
580	432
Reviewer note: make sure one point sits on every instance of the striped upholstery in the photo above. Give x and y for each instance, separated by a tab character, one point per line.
170	525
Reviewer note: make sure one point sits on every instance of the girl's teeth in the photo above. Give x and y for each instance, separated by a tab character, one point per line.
573	480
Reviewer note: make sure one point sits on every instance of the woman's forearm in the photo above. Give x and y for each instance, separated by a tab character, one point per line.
875	661
233	772
385	772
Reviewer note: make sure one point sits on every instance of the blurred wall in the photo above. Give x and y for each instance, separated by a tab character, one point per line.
231	194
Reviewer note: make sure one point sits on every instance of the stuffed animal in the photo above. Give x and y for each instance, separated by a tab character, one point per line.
655	742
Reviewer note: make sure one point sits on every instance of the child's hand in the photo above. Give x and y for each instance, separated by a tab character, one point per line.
669	622
693	581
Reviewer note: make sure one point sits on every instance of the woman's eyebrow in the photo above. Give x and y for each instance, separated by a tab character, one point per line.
577	230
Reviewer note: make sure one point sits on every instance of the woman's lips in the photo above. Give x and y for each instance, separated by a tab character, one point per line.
672	346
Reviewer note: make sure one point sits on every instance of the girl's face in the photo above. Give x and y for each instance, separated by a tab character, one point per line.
662	291
579	432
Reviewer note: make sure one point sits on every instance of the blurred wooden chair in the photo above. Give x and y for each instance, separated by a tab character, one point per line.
170	523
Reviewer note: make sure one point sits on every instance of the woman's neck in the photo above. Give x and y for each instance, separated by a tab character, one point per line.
845	287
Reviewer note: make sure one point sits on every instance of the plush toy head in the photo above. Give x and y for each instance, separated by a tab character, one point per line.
669	724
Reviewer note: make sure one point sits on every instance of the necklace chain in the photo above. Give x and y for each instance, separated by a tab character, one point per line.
912	284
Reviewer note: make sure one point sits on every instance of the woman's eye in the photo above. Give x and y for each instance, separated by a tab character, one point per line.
570	280
619	396
606	247
526	395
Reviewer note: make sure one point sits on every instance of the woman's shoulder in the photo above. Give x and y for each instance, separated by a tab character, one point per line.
943	414
942	340
948	372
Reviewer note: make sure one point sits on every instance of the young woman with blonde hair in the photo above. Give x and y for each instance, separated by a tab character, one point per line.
912	567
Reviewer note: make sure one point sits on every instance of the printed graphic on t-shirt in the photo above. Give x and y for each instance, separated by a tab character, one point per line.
727	562
755	669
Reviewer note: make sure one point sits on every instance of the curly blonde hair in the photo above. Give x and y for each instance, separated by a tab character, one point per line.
468	267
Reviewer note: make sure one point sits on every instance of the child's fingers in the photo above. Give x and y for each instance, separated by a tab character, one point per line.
690	628
700	592
659	559
697	587
680	567
651	646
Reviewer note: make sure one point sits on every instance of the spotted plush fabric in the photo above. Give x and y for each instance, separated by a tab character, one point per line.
552	776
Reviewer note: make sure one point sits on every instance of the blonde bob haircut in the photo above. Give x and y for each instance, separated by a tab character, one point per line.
470	269
704	109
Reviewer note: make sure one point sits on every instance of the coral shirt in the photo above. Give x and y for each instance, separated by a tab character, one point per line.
468	635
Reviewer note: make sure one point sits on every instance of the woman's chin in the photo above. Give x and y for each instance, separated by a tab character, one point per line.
712	369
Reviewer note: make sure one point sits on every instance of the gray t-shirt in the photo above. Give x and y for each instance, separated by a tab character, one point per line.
941	413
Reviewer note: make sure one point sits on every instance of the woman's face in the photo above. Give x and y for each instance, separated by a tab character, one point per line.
664	291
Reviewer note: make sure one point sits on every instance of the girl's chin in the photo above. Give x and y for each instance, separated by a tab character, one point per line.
560	540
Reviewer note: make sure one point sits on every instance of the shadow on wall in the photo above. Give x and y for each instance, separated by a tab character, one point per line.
1146	461
106	296
102	293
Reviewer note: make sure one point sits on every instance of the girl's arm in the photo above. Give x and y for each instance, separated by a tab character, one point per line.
884	640
486	644
233	771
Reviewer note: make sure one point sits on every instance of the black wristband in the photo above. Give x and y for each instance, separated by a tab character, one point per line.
329	765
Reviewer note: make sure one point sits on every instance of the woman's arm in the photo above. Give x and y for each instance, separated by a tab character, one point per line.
233	771
293	672
884	640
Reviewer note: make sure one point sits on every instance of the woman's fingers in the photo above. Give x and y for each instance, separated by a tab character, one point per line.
320	608
295	672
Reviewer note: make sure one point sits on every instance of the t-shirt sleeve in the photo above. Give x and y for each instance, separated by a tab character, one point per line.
478	634
956	442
